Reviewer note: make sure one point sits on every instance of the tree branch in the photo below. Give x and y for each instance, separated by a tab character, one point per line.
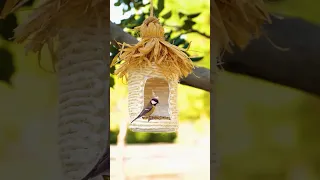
190	31
297	67
198	32
200	77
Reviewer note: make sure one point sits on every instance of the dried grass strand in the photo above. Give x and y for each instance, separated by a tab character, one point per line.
171	60
236	22
49	17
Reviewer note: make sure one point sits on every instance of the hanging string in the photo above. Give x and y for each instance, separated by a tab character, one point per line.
151	8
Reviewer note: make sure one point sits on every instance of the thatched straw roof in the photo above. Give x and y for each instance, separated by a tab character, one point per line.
171	60
236	22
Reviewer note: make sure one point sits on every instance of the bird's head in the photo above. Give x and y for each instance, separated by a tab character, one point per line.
154	101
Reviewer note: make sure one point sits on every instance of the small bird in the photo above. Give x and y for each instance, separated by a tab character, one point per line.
148	110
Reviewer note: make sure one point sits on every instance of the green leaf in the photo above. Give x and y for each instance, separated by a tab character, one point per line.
196	59
179	41
112	69
125	22
126	2
113	50
186	45
138	5
181	15
190	16
7	27
167	15
188	24
7	67
140	20
156	12
168	35
160	5
117	3
112	82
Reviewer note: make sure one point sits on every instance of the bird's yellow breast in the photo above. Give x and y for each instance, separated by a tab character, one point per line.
150	112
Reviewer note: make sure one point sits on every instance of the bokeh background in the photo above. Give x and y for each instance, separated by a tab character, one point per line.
264	130
28	119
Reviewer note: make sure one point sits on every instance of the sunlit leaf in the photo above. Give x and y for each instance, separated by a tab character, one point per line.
140	20
181	14
167	15
188	24
195	59
112	69
111	82
190	16
179	41
117	3
186	45
160	5
168	35
138	5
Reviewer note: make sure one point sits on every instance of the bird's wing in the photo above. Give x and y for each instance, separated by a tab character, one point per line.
145	110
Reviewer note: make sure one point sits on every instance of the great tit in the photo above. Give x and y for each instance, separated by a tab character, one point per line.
148	109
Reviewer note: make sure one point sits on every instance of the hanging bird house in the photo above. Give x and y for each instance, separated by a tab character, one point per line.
145	84
153	68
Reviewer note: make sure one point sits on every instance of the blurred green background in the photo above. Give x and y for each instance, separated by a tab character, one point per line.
259	136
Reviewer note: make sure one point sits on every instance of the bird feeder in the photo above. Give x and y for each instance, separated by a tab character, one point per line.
152	68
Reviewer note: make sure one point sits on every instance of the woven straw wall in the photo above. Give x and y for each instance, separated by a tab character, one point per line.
141	83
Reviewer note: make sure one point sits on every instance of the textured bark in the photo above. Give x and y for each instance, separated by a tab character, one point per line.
297	67
83	98
214	163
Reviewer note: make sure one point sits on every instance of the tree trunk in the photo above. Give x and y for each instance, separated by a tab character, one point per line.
215	52
83	95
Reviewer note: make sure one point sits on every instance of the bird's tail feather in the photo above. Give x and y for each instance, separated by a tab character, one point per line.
135	119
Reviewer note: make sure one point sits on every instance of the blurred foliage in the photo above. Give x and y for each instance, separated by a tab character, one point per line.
7	25
265	130
143	138
7	68
259	136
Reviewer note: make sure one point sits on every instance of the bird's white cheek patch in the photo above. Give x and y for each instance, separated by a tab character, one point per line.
153	102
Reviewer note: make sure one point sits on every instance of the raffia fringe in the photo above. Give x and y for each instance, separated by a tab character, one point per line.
49	17
172	61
